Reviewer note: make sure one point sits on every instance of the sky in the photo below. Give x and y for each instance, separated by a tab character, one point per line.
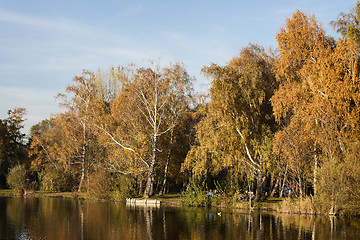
44	44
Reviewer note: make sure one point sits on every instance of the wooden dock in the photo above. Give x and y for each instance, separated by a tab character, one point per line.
143	202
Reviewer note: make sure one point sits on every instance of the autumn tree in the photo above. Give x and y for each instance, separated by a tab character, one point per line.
293	147
12	142
319	87
177	145
237	130
39	142
69	140
348	24
149	106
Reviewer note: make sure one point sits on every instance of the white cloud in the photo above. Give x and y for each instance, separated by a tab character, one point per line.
39	103
132	10
49	24
46	52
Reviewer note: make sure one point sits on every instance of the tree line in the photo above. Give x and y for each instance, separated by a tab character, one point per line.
272	120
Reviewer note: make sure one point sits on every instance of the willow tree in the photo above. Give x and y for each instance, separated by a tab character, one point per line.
148	107
237	130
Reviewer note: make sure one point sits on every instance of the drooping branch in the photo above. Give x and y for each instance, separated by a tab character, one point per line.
247	149
121	145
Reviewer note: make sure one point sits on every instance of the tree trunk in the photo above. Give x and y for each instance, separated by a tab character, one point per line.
249	193
260	180
150	179
275	186
140	186
284	182
163	186
315	168
162	190
83	159
333	210
82	175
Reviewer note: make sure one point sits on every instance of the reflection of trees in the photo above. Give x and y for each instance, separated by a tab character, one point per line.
47	218
148	219
43	218
164	223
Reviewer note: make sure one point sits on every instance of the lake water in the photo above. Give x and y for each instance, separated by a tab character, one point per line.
52	218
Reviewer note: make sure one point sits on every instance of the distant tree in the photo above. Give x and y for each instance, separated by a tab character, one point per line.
39	143
348	24
12	142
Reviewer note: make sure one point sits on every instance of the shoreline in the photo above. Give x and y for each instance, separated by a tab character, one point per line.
268	205
167	199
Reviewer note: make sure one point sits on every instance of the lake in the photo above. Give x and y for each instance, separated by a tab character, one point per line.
54	218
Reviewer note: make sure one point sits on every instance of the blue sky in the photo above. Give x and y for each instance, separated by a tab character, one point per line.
43	44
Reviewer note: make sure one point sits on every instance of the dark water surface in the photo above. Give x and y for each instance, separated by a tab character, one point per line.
50	218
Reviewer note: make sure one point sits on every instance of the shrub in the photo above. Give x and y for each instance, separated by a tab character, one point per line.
17	179
196	194
304	206
122	187
56	179
100	185
331	187
105	185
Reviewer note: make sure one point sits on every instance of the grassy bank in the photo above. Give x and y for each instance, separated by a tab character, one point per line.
9	193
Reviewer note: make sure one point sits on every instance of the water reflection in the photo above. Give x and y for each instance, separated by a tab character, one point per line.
49	218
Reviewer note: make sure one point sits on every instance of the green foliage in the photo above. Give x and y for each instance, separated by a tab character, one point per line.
196	194
222	195
17	179
12	147
237	130
339	183
122	187
331	192
57	179
352	163
348	25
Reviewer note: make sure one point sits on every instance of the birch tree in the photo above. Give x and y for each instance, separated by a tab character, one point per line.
148	107
81	102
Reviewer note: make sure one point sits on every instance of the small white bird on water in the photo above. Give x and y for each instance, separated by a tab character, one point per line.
219	213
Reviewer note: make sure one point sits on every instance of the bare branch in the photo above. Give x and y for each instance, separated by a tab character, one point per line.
122	146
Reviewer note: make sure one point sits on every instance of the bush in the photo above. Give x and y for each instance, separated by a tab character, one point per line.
304	206
331	187
105	185
122	187
100	185
57	180
196	194
17	179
